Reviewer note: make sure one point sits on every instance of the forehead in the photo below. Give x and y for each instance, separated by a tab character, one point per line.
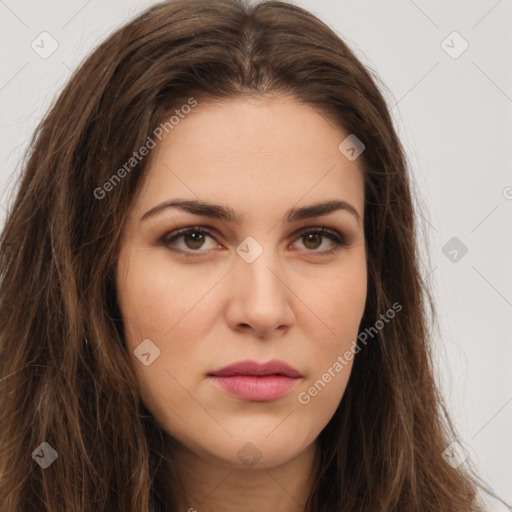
253	153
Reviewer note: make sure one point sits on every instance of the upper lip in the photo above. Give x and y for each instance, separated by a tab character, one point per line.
273	367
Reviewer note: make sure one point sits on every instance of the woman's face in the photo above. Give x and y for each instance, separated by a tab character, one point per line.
264	285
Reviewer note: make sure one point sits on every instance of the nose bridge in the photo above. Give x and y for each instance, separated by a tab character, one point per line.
260	296
258	277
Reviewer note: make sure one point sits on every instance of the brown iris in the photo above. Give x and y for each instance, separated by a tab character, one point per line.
311	237
197	239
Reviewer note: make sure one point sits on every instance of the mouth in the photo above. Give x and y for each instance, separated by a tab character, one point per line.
256	382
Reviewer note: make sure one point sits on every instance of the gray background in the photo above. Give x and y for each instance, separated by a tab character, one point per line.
454	116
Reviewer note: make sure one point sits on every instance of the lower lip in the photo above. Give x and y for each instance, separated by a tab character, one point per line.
257	389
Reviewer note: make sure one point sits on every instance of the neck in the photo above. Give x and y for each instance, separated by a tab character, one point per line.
213	485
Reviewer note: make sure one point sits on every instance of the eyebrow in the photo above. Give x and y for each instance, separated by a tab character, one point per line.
216	211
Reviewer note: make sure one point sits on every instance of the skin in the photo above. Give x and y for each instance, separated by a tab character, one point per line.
259	157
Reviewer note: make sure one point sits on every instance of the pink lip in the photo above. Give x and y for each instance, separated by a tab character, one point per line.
250	380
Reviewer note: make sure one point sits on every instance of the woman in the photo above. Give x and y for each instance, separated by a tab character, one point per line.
228	312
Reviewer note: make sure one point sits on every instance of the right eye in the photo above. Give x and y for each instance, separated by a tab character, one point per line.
193	237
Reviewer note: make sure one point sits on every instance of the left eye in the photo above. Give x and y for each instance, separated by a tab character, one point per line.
194	239
313	238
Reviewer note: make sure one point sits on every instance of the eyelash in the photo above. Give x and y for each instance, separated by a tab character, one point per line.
338	240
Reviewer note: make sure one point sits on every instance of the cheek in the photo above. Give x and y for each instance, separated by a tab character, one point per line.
339	303
339	300
154	303
153	297
162	305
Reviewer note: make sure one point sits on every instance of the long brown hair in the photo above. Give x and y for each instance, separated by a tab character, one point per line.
66	377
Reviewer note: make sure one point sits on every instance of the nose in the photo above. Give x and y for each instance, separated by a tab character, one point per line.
259	298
